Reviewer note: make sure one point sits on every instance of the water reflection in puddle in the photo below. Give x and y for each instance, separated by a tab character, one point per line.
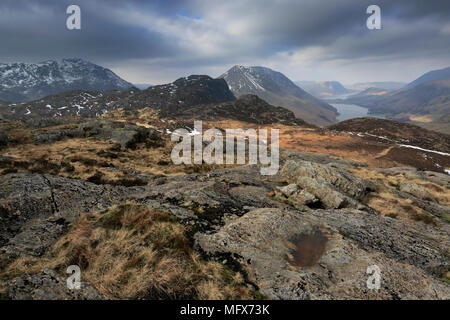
307	249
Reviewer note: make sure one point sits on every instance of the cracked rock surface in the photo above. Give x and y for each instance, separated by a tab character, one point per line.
286	250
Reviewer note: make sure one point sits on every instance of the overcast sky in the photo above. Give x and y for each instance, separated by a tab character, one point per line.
159	41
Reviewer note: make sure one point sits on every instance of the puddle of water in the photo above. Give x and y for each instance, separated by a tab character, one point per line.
307	249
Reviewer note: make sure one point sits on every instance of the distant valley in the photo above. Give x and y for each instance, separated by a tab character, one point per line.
74	87
424	101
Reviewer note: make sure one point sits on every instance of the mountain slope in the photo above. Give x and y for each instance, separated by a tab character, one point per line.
442	74
368	97
324	89
388	85
390	131
430	98
21	82
277	89
183	93
247	108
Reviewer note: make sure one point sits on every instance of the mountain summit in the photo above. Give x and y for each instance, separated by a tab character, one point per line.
324	89
442	74
21	82
277	89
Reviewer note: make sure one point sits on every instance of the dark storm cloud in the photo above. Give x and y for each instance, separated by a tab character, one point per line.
156	41
34	30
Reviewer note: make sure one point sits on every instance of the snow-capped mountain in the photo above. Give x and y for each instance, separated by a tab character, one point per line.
21	82
275	88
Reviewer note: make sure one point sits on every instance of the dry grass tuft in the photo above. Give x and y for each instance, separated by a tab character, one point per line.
439	192
403	209
131	252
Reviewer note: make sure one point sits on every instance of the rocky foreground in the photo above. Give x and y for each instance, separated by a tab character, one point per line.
287	237
103	195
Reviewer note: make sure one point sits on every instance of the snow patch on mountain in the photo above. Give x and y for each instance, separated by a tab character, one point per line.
29	81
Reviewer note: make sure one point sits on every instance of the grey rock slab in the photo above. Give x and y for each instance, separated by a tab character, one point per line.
265	241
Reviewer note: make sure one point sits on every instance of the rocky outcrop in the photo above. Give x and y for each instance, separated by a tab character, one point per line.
322	185
248	108
325	254
416	190
341	180
313	247
36	209
125	134
48	285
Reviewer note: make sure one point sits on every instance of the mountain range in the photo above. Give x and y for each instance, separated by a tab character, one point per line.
278	90
182	93
442	74
77	87
388	85
324	89
424	101
88	178
20	82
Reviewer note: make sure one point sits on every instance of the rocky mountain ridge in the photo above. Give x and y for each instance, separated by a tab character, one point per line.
182	93
21	82
247	108
278	90
324	89
441	74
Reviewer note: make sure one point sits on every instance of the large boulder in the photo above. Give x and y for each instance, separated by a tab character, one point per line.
324	254
342	180
35	209
322	185
416	190
127	135
49	136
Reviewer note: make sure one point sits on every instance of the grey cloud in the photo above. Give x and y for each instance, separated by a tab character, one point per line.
206	35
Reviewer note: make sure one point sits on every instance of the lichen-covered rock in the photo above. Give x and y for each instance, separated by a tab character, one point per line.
324	254
35	209
340	179
237	216
416	190
48	285
306	197
48	136
328	196
289	190
331	187
127	135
